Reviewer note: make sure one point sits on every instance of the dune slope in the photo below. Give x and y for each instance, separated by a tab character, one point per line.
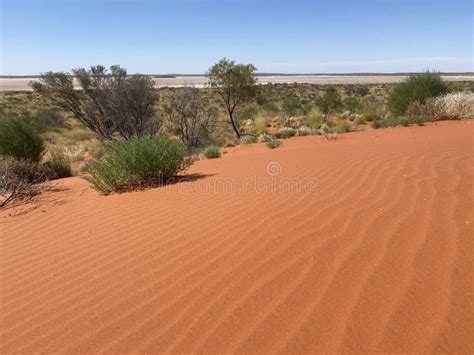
361	244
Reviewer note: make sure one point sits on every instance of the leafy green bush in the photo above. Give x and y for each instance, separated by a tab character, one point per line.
274	143
352	104
137	162
20	139
212	153
285	132
292	106
329	102
418	87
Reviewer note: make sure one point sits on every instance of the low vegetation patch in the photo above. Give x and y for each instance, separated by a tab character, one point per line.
329	102
455	106
58	163
20	180
212	153
285	132
274	143
139	162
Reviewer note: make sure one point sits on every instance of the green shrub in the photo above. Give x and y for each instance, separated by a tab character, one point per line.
20	139
370	110
58	163
274	143
391	122
284	133
378	124
329	102
212	153
418	87
360	120
137	162
342	127
315	121
270	107
292	106
352	104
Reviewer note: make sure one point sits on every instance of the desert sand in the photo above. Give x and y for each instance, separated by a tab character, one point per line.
22	83
368	248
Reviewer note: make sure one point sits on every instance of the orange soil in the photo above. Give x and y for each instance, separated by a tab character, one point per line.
378	257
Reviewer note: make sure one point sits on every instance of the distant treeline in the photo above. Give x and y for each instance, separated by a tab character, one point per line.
172	76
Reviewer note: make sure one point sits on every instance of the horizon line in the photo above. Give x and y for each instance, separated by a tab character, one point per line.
460	73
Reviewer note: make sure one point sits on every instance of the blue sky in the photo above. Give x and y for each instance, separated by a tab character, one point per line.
188	36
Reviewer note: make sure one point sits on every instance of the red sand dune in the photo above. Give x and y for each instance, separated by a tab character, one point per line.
377	256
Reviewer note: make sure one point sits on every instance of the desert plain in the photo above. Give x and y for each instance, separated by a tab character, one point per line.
22	83
361	244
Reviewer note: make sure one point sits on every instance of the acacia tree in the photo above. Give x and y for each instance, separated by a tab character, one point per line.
189	115
109	102
235	85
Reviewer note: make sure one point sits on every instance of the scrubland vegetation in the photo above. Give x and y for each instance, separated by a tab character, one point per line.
138	162
121	133
23	168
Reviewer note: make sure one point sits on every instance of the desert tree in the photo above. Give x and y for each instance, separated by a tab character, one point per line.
109	102
189	115
235	85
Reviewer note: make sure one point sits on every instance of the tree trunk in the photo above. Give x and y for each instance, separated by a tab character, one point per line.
236	130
